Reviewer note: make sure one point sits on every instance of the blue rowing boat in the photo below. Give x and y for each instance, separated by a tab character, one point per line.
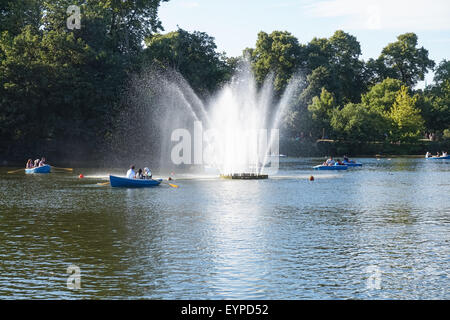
121	182
333	167
44	169
352	164
434	158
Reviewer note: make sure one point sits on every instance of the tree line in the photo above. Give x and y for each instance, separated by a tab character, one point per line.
65	87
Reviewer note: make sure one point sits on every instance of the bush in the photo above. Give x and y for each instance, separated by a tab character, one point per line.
446	135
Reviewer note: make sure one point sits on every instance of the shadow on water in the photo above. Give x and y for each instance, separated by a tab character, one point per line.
284	238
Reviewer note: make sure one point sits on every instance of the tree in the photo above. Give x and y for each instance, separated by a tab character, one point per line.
404	61
358	122
194	55
321	110
339	55
16	15
407	122
381	97
442	72
278	52
346	66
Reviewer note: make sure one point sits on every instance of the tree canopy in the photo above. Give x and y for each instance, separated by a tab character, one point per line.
60	85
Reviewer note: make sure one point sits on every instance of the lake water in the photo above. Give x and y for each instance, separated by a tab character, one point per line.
376	232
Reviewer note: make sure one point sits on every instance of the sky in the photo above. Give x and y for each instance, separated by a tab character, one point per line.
235	23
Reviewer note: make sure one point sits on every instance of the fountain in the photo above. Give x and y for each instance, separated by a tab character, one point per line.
235	131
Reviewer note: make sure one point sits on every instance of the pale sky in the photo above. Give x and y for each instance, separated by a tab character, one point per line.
235	23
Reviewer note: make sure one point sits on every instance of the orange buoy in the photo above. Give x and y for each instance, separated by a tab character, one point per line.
311	178
81	176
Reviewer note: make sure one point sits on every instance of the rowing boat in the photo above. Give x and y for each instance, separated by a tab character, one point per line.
43	169
434	158
352	164
121	182
333	167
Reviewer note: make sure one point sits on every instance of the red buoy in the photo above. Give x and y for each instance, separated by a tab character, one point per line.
81	176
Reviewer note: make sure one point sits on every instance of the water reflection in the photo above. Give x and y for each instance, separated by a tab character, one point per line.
284	238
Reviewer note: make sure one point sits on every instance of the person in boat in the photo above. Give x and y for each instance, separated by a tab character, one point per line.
42	162
36	163
346	159
437	155
147	173
427	155
29	164
444	154
339	162
131	173
139	174
329	162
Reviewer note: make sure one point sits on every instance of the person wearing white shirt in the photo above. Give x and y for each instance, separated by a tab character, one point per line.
130	173
147	173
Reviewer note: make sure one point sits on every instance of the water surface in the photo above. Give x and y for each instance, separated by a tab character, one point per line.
380	231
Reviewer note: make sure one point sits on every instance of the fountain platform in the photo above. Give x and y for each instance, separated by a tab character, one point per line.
244	176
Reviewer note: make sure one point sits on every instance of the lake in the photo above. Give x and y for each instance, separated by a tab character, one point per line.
376	232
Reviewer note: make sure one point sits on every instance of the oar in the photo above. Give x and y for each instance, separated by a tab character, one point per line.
68	169
14	171
103	184
170	184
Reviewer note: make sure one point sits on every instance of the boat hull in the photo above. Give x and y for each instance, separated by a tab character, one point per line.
43	169
353	164
120	182
334	167
438	158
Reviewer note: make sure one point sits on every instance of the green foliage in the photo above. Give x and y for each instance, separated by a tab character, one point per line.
358	122
435	105
442	72
321	110
66	85
381	97
278	52
446	134
194	55
404	61
407	123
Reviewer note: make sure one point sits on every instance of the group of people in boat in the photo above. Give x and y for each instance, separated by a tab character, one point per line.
429	155
331	162
140	174
35	164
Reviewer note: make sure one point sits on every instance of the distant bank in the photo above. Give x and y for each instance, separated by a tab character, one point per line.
293	148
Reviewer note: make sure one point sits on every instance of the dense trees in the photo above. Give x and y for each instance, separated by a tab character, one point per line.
278	52
66	86
193	55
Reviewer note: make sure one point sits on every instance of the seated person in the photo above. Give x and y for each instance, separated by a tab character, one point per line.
130	173
29	164
329	162
36	163
147	173
42	162
139	174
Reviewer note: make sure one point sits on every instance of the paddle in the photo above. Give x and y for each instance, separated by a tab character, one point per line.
103	184
68	169
170	184
14	171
